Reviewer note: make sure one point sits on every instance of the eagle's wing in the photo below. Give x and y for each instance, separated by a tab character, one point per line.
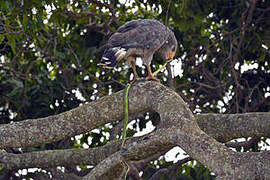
140	34
128	26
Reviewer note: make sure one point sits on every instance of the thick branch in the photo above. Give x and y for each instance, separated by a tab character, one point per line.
178	127
76	121
225	127
54	158
222	127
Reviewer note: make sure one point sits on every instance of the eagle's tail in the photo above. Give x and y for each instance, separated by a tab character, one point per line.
112	56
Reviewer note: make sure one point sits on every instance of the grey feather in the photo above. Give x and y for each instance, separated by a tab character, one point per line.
140	38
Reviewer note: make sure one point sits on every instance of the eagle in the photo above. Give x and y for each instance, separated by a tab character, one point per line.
139	38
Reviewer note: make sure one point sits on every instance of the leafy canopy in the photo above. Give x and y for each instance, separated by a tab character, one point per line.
49	52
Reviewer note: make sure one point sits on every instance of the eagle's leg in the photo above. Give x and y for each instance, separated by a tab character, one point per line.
132	62
150	75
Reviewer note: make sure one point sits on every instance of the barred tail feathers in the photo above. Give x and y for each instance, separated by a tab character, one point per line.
112	56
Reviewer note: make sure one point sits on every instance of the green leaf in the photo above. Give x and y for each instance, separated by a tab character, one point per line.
52	74
25	21
2	37
14	82
4	5
12	42
59	54
262	58
17	87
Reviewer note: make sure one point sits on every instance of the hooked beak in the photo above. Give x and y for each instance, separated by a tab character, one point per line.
170	55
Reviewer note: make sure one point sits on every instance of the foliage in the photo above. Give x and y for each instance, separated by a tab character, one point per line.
49	52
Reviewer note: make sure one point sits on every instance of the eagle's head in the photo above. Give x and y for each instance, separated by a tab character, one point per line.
168	50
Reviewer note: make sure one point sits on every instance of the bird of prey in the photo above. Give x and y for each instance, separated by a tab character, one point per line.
139	38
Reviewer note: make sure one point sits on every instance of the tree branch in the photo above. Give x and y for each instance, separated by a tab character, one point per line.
178	127
225	127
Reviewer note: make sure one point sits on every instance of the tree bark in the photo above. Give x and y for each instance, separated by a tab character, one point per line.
178	127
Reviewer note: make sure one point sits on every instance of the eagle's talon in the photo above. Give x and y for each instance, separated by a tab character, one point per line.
137	80
133	81
152	78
